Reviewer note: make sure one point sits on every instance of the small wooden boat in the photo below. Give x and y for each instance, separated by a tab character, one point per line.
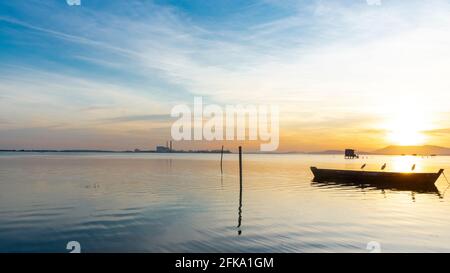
379	179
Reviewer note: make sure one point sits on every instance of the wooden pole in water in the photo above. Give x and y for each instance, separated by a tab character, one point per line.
240	191
221	161
240	166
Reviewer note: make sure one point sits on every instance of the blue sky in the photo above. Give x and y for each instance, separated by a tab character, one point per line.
105	74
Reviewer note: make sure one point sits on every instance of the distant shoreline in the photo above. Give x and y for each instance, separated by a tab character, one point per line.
117	152
207	152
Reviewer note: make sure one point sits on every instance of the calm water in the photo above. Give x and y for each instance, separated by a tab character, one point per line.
181	203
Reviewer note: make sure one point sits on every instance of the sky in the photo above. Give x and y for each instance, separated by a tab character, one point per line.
106	74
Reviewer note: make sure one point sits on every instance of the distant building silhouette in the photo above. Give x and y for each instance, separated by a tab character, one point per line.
350	154
162	149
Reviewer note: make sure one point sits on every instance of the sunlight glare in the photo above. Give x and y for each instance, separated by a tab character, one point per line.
406	126
404	164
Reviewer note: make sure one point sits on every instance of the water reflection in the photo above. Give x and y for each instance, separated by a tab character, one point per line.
407	164
174	203
169	164
400	164
413	188
240	207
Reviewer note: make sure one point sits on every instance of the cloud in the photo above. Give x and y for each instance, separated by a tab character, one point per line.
38	98
159	118
324	58
79	138
231	66
439	132
373	2
3	122
73	2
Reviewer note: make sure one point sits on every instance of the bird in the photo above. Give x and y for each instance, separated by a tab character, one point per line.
413	167
384	166
363	166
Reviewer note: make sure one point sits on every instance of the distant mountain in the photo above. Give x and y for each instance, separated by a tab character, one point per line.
328	152
410	150
335	152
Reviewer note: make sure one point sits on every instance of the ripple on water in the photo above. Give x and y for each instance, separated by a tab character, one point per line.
150	203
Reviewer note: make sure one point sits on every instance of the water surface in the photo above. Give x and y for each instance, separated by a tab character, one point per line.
181	203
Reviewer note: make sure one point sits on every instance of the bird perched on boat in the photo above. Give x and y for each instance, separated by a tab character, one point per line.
363	166
413	167
384	166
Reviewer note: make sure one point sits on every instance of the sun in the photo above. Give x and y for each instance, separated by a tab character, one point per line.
406	137
406	128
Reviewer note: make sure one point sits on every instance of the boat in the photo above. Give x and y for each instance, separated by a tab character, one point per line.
378	179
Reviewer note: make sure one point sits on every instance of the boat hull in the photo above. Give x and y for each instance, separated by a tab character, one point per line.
378	179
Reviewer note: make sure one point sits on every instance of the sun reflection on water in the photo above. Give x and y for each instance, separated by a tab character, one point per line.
405	164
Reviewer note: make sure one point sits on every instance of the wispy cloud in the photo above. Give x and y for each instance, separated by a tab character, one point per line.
159	118
129	62
439	132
